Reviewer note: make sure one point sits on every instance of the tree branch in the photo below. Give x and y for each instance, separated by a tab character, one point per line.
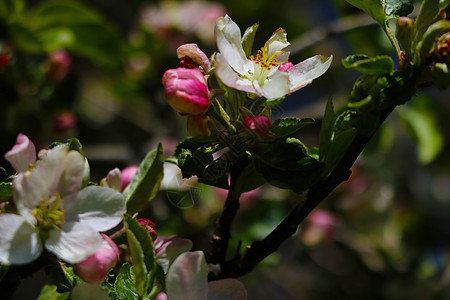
259	250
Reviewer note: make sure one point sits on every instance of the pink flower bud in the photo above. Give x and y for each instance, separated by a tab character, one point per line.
59	65
286	66
96	266
114	179
259	125
186	90
149	225
63	121
192	57
127	175
22	155
199	126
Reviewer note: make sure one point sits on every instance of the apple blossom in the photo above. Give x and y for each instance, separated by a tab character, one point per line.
95	267
22	155
127	175
186	90
261	74
54	213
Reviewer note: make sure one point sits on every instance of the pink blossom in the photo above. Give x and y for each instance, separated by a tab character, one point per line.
22	154
286	66
96	266
127	175
186	90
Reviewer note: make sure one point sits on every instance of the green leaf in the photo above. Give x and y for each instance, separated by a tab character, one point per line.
443	4
378	65
285	165
49	292
287	126
11	8
326	130
338	147
25	39
6	189
422	126
72	25
428	12
63	276
381	11
142	254
146	182
425	45
248	38
249	179
398	8
374	8
274	102
125	286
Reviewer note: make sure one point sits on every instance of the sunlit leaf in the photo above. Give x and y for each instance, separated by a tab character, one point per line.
378	65
146	182
287	126
125	285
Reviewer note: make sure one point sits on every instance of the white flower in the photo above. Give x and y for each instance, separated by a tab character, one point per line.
54	214
261	74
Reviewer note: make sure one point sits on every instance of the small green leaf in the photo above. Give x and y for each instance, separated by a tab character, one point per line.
249	179
248	38
285	165
287	126
398	8
125	286
428	12
274	102
326	130
25	39
6	189
338	147
49	292
142	254
377	65
425	45
422	126
146	182
374	8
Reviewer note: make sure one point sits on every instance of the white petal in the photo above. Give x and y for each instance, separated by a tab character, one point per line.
19	242
168	248
22	154
276	86
277	42
187	277
225	289
101	208
71	175
228	39
74	242
27	193
304	72
230	78
114	179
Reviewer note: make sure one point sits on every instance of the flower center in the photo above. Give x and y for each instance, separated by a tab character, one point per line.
264	63
49	215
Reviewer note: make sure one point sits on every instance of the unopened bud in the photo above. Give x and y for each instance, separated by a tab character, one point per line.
199	126
127	175
405	34
96	266
63	121
186	90
59	65
258	125
149	225
192	57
